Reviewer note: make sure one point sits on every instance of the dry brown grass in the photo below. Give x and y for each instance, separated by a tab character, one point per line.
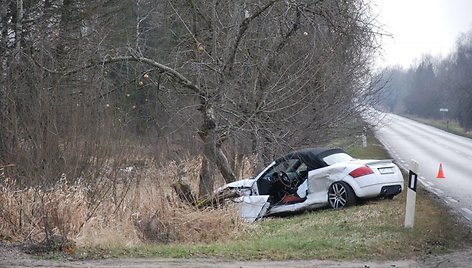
128	206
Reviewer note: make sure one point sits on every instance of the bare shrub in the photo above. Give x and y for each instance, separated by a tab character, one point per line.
37	214
190	225
131	203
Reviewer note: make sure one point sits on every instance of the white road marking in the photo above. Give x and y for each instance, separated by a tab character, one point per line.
421	180
429	183
452	199
439	190
467	210
433	191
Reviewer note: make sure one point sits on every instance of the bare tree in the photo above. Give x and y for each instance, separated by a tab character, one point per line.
263	75
42	114
271	72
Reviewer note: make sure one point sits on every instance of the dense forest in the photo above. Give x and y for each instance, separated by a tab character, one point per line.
82	80
433	84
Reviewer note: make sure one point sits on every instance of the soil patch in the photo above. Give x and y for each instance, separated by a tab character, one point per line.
14	256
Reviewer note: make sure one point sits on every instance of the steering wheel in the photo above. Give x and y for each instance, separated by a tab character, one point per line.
285	179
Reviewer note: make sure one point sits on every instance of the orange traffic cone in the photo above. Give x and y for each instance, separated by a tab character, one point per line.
440	172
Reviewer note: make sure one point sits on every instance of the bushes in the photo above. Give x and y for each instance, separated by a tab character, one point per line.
128	205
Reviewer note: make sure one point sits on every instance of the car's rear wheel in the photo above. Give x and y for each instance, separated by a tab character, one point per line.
340	195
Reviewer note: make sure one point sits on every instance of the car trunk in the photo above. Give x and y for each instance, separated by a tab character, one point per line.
384	169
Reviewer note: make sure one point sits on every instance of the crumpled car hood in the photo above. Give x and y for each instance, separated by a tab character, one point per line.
246	183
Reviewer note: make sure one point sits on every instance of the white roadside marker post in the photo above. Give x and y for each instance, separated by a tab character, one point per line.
364	138
411	195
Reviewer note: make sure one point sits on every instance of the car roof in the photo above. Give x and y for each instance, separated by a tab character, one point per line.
312	157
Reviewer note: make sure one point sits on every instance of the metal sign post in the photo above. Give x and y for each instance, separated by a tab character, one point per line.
411	195
444	111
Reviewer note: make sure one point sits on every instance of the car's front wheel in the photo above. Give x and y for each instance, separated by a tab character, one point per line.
340	195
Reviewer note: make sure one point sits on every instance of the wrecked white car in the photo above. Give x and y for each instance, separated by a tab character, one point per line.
314	178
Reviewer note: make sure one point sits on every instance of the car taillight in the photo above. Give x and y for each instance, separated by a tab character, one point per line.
362	171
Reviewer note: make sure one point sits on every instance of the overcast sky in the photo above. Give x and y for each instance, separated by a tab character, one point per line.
421	26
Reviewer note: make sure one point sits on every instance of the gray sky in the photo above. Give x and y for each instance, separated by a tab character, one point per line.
420	27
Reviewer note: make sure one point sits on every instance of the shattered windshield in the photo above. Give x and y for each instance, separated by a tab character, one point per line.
286	166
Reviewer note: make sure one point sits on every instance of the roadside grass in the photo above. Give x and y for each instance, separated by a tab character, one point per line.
372	230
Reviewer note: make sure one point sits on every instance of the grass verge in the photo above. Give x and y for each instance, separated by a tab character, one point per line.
370	231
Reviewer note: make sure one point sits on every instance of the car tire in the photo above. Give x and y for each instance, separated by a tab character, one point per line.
340	195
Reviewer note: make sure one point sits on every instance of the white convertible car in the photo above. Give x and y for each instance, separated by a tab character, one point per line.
313	178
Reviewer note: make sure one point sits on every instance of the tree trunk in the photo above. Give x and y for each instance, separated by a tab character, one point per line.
224	166
212	144
19	24
237	159
3	77
182	187
206	183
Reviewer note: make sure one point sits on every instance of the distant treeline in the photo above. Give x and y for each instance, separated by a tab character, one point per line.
433	84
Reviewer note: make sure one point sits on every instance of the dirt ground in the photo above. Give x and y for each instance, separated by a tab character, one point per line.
11	256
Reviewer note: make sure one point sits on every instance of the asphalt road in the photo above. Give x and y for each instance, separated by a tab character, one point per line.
430	147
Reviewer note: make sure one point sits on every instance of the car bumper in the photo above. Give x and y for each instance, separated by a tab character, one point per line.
380	190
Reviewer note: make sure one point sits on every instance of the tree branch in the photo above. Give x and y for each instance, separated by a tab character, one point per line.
242	29
181	79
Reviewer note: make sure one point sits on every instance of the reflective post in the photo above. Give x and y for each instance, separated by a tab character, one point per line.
364	138
411	195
